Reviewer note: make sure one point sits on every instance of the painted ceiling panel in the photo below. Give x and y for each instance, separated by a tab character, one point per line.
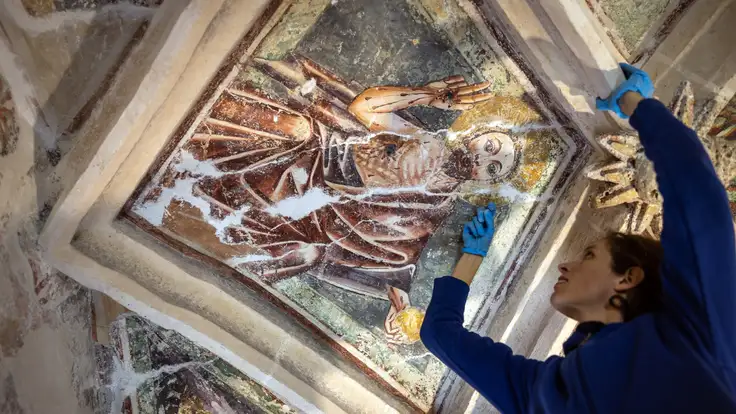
335	166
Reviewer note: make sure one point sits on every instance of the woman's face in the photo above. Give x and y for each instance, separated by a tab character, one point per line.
587	283
492	155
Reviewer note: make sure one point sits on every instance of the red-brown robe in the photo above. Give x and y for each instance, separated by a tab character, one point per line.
273	150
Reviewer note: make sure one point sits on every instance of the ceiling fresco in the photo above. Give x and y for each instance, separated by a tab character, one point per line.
149	369
333	169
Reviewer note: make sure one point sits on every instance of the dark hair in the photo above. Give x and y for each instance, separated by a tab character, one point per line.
630	250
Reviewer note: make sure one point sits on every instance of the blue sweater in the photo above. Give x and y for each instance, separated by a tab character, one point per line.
679	360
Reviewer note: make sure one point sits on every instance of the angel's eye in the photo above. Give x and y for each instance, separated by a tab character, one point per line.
494	168
492	146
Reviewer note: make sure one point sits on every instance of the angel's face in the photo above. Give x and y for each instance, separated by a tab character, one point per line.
492	156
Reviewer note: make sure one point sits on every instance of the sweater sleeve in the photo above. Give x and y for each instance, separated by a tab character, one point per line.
699	269
502	378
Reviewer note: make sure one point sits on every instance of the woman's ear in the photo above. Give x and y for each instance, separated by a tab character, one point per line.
632	278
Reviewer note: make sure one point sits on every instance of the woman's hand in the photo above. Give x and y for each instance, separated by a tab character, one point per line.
477	236
638	86
478	232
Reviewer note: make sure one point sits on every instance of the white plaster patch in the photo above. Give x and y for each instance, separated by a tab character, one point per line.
308	87
515	196
310	253
183	190
394	190
391	220
154	211
234	219
300	176
510	193
187	163
238	260
300	207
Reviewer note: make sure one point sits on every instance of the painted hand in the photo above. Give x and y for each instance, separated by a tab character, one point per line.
636	81
454	93
478	232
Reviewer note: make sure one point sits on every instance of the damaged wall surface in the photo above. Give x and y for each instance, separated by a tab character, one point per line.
45	342
55	60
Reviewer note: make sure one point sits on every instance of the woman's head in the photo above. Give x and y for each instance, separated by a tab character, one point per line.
619	274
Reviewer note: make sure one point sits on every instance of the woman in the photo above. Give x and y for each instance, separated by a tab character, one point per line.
657	330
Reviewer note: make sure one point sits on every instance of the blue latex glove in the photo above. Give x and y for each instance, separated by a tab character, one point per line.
636	81
478	232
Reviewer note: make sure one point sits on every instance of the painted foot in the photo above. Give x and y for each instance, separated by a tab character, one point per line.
403	322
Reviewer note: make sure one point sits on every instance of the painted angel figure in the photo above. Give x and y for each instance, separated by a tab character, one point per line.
347	187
